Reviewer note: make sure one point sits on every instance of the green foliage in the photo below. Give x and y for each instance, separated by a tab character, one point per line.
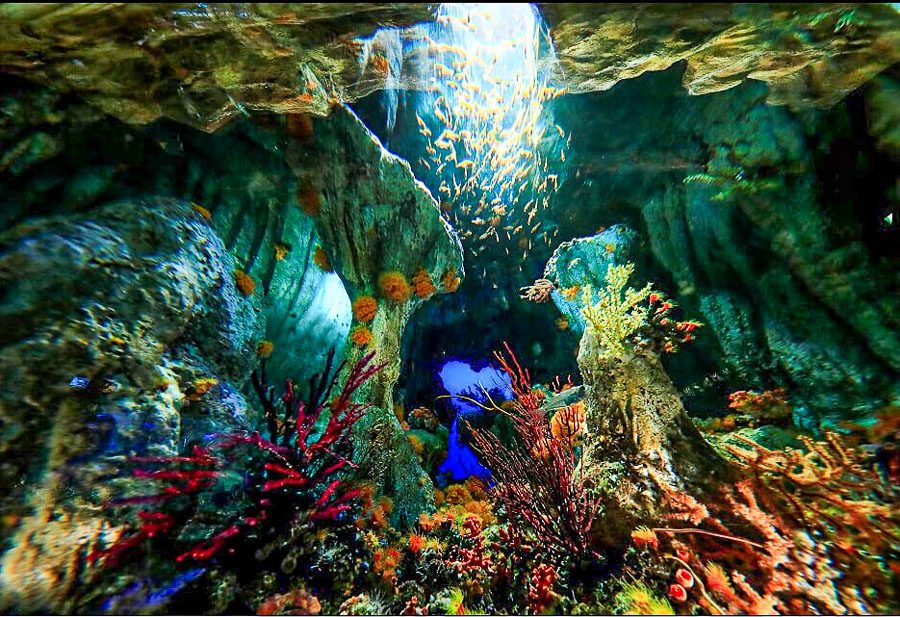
616	314
638	599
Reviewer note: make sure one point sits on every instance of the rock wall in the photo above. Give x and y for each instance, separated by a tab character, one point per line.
122	330
374	218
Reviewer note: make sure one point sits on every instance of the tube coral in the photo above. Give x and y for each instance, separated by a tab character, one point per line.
422	284
450	280
364	308
361	336
393	286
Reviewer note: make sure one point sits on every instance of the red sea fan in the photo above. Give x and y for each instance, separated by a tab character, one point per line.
538	482
293	475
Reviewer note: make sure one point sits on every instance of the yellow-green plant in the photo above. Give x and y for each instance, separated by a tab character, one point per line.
618	313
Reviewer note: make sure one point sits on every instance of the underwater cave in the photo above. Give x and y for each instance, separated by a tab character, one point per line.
459	308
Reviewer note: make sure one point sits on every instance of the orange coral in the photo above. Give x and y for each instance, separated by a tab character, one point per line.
264	349
281	251
364	308
416	543
393	286
244	282
450	280
645	537
562	323
386	561
361	336
308	197
476	488
422	284
320	258
570	293
457	494
297	602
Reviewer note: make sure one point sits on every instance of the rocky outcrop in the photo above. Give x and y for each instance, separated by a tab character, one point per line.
632	407
374	219
123	333
206	65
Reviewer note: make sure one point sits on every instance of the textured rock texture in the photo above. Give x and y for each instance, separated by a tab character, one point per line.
375	217
807	54
208	64
139	300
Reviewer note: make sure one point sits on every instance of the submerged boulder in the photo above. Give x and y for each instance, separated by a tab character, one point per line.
124	332
383	233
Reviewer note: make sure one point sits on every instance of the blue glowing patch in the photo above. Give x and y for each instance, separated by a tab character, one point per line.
460	379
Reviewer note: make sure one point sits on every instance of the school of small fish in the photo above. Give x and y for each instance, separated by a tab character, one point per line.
492	152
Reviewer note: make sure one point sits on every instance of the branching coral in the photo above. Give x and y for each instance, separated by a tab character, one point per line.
538	481
811	524
616	315
292	478
538	292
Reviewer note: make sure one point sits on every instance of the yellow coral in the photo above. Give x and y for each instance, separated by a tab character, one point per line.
562	323
617	314
393	286
422	285
200	387
320	258
244	282
364	308
264	349
361	336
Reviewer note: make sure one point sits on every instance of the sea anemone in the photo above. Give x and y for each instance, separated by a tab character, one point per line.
450	280
364	308
321	260
264	349
645	537
244	282
361	336
677	592
393	286
422	285
309	201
